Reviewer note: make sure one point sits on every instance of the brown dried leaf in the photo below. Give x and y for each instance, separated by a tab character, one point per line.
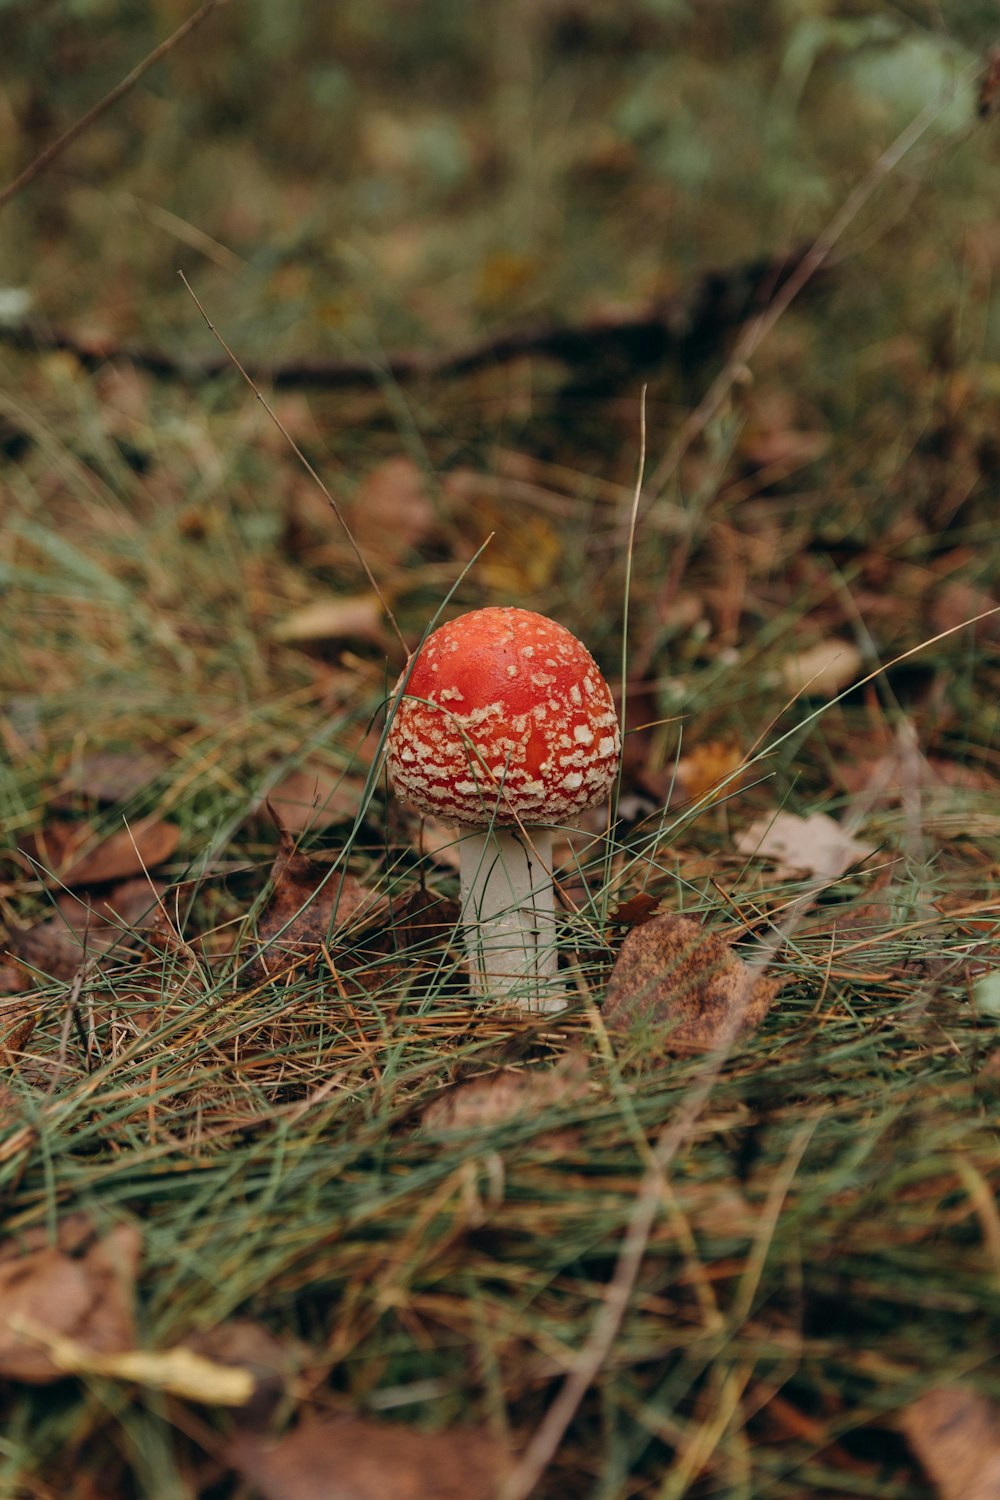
51	948
672	970
956	1436
10	1106
357	1458
110	776
131	905
636	911
775	435
314	798
485	1102
69	854
956	603
73	1233
18	1018
357	617
816	845
526	547
988	1076
87	926
49	1293
310	905
873	914
706	767
391	513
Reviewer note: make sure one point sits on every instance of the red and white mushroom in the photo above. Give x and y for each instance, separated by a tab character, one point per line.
504	722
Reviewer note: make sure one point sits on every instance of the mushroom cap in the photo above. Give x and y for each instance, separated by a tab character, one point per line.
506	718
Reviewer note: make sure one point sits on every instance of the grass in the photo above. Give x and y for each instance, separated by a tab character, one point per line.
826	1245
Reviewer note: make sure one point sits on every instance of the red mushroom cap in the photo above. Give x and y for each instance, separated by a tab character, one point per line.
506	718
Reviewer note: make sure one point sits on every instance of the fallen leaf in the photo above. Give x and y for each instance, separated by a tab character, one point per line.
357	1458
988	1076
816	845
351	617
956	1436
18	1018
719	1209
711	765
636	911
10	1106
51	1293
87	926
55	950
131	905
311	904
525	549
875	912
956	774
504	275
391	513
313	798
110	776
821	671
509	1093
986	994
673	971
73	854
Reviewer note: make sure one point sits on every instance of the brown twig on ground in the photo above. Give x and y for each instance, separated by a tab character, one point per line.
61	143
684	329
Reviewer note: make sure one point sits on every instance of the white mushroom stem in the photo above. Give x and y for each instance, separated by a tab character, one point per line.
508	912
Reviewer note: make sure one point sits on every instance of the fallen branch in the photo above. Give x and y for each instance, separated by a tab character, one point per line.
601	349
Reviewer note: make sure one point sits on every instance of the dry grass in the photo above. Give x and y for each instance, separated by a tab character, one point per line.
822	1245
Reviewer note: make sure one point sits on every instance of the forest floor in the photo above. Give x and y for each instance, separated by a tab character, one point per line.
285	1211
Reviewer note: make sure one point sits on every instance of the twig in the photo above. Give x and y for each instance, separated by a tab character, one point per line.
306	465
639	341
58	146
